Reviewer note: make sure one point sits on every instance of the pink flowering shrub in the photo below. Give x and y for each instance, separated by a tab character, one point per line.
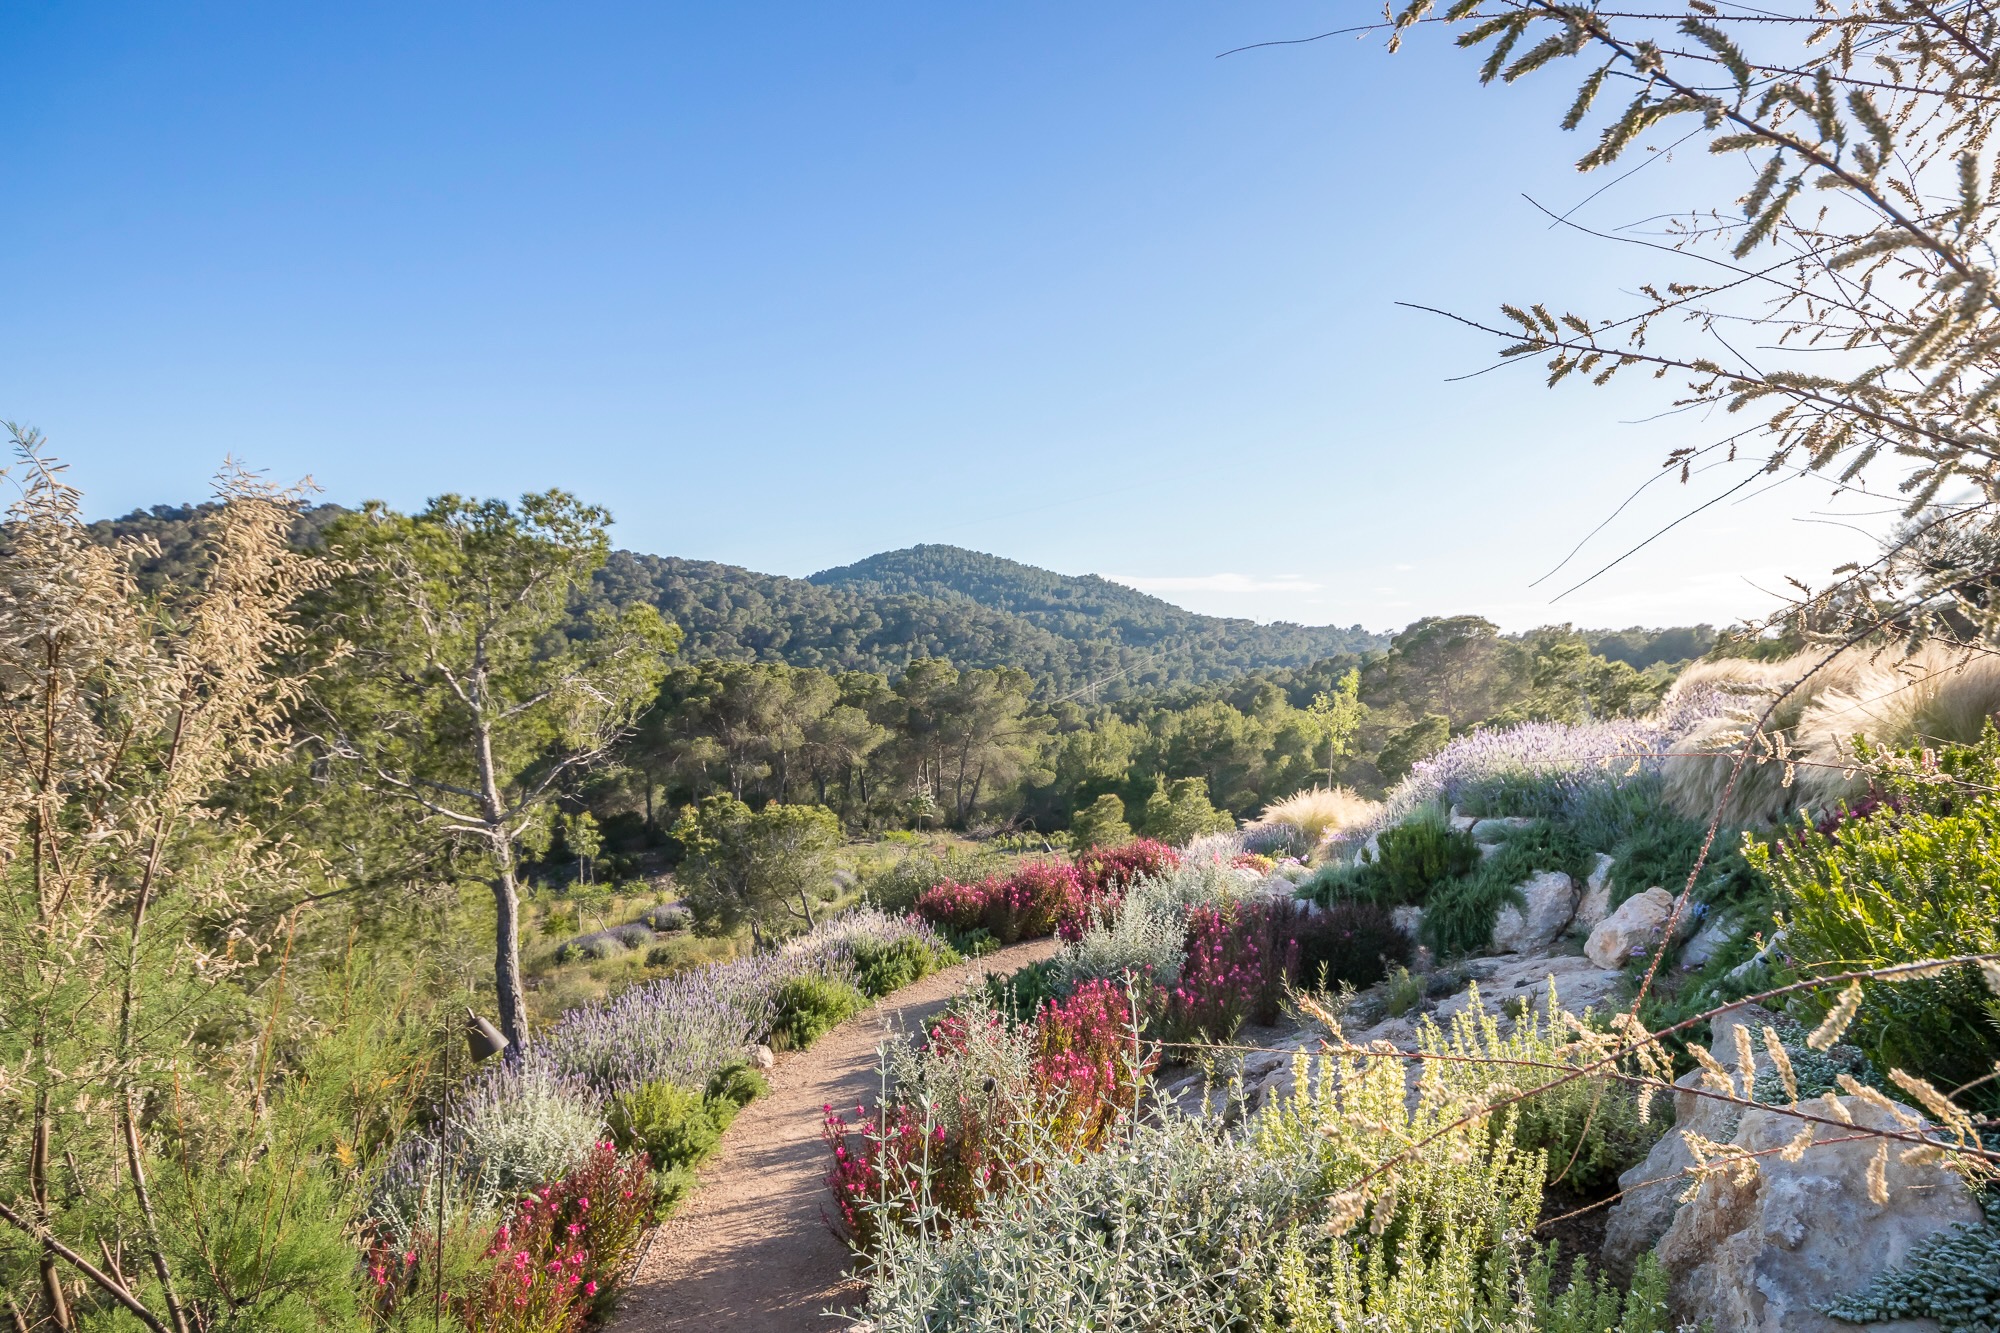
1107	870
558	1256
1030	902
1049	896
549	1267
893	1166
1239	957
956	906
1088	1065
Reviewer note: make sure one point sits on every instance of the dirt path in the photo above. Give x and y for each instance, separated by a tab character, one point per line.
750	1252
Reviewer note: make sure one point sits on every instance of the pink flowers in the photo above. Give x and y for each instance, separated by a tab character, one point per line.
1051	895
1238	959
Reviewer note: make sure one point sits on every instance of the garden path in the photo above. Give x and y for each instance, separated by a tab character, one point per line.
750	1250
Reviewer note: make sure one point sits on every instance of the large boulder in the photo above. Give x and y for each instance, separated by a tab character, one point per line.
1634	928
1759	1255
1495	830
1652	1189
1548	901
1595	904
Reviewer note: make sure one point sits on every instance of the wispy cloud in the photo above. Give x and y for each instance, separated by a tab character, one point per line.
1215	582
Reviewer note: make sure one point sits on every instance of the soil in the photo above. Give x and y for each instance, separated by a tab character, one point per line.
751	1250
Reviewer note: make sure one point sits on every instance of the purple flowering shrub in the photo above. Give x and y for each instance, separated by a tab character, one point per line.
1542	768
1238	958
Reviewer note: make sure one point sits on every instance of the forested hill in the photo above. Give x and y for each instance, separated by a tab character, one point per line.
977	610
1088	608
930	601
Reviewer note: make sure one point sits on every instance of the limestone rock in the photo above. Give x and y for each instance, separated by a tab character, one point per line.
1715	935
1579	985
1492	830
1635	926
1595	904
1487	849
1638	1220
1461	823
1758	1257
1549	902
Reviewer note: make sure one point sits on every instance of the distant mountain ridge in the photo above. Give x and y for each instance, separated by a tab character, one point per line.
1074	634
1088	607
879	614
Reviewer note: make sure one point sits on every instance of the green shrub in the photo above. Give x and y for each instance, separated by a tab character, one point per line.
1899	887
1591	1304
1412	859
1404	992
739	1083
1101	824
1019	994
1459	914
1179	813
809	1007
974	943
883	968
676	1128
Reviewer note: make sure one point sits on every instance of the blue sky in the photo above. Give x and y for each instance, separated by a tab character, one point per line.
784	285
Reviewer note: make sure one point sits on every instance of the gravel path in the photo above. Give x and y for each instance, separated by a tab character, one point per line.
751	1252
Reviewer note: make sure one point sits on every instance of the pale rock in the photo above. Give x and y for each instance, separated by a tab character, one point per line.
1408	918
1758	1257
1548	903
1771	946
1487	849
1653	1187
1595	904
1579	985
1461	823
1714	936
1636	925
1492	830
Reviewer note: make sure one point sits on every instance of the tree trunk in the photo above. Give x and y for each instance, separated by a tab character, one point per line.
805	901
508	991
507	987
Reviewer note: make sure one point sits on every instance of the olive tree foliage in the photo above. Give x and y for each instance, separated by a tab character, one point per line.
757	867
130	902
459	685
1845	306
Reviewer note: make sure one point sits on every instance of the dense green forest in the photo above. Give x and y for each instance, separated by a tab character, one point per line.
938	686
1069	634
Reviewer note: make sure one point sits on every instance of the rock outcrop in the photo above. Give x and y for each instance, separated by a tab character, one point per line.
1759	1255
1634	928
1638	1220
1548	903
1595	904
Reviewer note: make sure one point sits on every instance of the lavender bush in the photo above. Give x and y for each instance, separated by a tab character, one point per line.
526	1122
1541	768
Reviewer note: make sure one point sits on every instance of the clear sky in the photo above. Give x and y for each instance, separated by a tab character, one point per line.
787	284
